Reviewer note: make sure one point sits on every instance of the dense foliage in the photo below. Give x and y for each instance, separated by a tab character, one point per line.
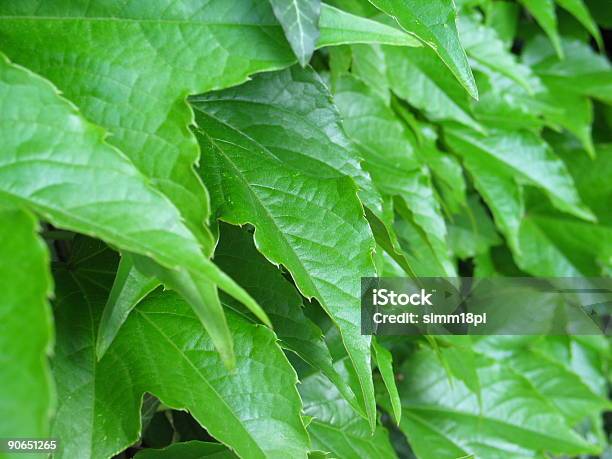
190	192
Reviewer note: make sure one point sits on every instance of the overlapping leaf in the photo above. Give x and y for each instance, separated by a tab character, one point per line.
143	59
483	45
81	183
335	429
236	254
277	159
417	76
526	157
510	418
339	27
544	13
582	71
433	22
162	349
389	154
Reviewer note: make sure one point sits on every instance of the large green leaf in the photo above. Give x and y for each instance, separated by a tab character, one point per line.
127	58
27	395
143	59
389	153
276	159
335	428
511	418
163	350
237	255
81	183
300	21
433	22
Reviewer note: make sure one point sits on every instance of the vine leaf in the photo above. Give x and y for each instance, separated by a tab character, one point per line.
433	23
300	21
81	183
26	328
162	349
278	160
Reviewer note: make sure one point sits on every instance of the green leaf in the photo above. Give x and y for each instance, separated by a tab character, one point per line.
27	398
458	356
386	239
544	13
471	232
526	157
300	21
130	287
334	426
569	110
81	183
482	44
592	178
389	153
414	244
445	168
143	59
504	104
339	27
369	65
553	244
547	363
276	159
237	255
417	76
159	143
579	10
433	23
188	450
163	350
582	71
511	419
384	361
503	196
204	299
503	16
